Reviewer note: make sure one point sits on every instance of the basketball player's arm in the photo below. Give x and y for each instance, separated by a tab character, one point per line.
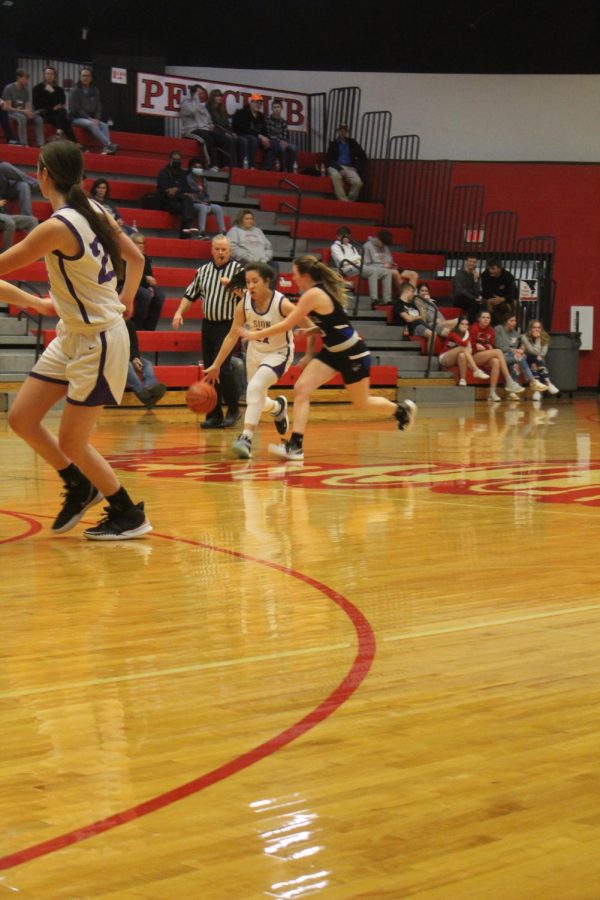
229	341
297	314
46	237
11	294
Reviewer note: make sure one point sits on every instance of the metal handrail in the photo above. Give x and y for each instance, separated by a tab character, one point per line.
358	278
294	209
431	343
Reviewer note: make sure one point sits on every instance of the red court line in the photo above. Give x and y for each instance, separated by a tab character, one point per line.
34	526
365	654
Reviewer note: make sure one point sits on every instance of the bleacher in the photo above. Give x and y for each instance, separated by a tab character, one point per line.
132	174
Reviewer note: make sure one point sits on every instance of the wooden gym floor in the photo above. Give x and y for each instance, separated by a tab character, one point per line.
376	675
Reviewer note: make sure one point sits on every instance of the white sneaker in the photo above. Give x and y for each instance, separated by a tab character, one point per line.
242	447
494	397
513	386
462	382
536	395
286	450
552	389
538	386
479	373
406	414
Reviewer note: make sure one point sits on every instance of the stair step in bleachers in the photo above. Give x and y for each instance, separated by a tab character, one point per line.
255	178
314	206
327	231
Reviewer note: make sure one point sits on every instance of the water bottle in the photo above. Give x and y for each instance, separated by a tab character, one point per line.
245	163
134	225
295	168
323	170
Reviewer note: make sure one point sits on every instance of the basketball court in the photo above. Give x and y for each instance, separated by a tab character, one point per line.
371	675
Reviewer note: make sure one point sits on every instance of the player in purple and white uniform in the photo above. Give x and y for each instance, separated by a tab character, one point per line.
266	360
87	362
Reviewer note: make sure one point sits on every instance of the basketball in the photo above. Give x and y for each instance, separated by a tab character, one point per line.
201	397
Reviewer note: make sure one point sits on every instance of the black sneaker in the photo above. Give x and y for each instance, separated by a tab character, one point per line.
120	525
282	422
77	498
155	393
406	414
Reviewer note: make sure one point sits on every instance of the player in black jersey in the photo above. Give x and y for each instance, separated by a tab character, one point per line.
344	351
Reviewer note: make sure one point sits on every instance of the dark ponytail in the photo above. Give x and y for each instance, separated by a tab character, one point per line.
64	164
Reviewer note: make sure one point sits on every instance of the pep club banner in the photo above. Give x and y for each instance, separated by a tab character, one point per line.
161	95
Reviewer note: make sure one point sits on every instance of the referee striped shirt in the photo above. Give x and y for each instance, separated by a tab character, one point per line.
219	305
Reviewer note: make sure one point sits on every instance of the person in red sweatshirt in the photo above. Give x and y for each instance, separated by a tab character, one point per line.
485	354
457	351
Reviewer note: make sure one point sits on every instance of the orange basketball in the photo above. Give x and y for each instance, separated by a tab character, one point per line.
201	397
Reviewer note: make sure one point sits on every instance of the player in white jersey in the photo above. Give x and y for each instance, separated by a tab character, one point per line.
87	361
266	361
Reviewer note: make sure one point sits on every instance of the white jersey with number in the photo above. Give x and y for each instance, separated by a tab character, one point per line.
257	321
83	286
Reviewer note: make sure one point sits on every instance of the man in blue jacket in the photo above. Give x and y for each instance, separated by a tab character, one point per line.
345	159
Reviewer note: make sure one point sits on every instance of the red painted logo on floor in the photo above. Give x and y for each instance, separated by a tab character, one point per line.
548	482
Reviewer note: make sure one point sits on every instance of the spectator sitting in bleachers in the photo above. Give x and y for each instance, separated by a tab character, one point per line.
378	253
5	125
175	194
345	255
196	123
281	148
466	289
17	103
499	290
428	309
14	186
17	185
456	351
202	201
508	339
249	122
535	342
100	191
140	373
345	160
234	146
486	354
50	102
85	109
248	242
406	312
149	299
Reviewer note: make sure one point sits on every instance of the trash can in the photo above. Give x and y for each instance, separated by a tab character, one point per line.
563	359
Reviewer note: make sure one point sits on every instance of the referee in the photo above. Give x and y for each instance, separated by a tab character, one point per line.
219	307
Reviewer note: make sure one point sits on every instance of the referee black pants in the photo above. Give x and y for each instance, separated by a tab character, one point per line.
213	334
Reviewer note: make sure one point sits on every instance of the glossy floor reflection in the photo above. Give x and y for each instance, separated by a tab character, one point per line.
373	675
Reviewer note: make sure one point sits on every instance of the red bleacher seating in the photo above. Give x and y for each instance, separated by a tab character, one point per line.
258	178
327	231
315	206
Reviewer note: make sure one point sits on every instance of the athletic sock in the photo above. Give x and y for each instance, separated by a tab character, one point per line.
247	433
120	500
296	439
72	476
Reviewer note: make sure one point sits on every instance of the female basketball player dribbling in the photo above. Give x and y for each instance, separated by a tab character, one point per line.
267	360
87	361
322	301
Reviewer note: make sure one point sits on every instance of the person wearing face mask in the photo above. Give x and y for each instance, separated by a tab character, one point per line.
202	202
176	196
